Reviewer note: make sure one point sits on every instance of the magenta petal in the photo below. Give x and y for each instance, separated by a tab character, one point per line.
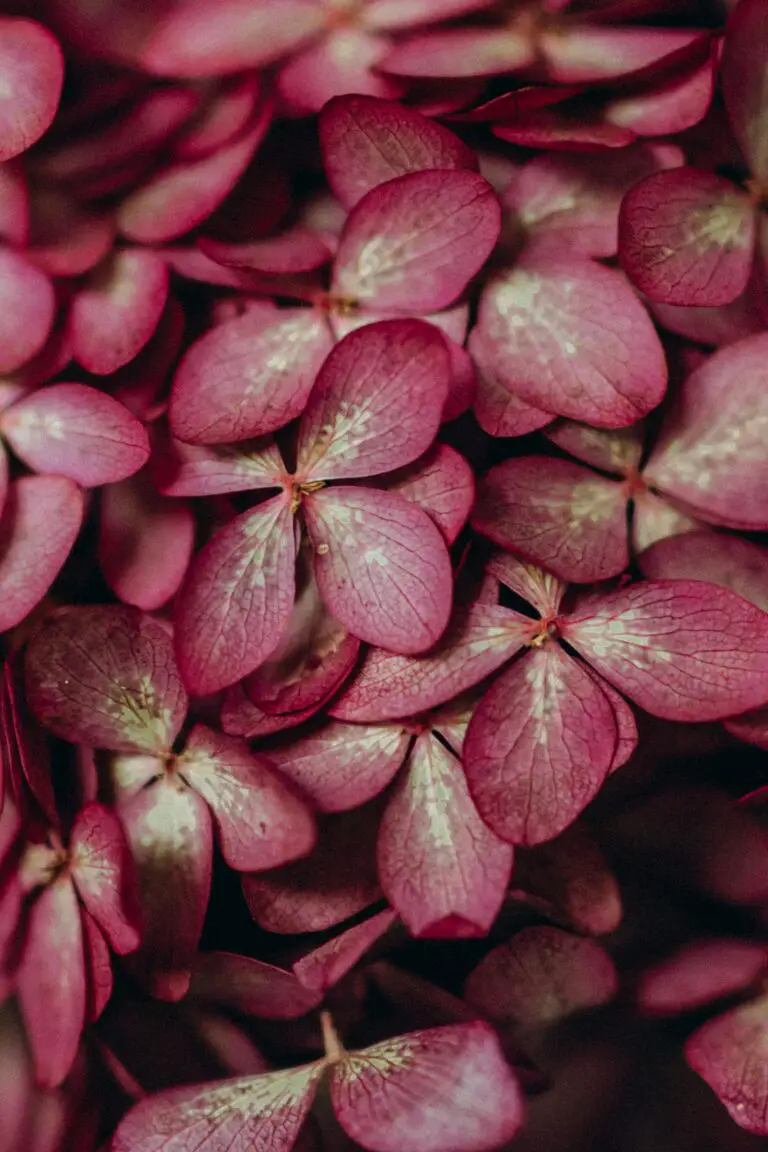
726	560
241	717
377	402
76	431
571	337
542	590
442	483
539	746
441	226
250	987
429	1091
681	649
117	310
441	868
367	141
226	116
14	205
32	72
260	822
252	1112
498	411
540	977
180	469
729	1054
624	717
670	106
247	377
51	982
344	60
342	766
40	522
27	306
98	968
461	52
711	453
381	565
752	727
324	966
616	450
549	129
699	973
743	82
294	251
106	677
169	831
145	542
476	643
687	237
101	871
236	602
68	238
556	514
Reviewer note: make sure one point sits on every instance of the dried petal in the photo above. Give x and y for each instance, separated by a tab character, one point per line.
730	1053
442	483
101	871
323	967
27	306
699	973
180	469
249	987
32	70
745	88
542	590
98	968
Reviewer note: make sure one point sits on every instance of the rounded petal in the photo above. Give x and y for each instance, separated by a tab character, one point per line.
101	868
744	84
730	1053
442	483
32	71
27	306
699	973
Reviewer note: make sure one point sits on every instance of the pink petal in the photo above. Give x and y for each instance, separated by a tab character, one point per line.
118	309
141	384
669	107
51	982
729	1054
101	871
226	116
337	880
180	469
260	822
311	662
27	305
570	337
542	590
681	649
699	973
130	772
169	831
106	677
584	53
184	195
14	205
252	1112
655	519
459	52
294	251
212	38
377	403
556	514
498	411
541	976
325	966
241	717
342	766
25	754
463	383
556	130
236	602
442	483
687	237
76	431
617	451
405	14
573	201
441	868
367	141
539	746
713	326
440	225
98	968
429	1091
145	542
40	523
711	454
68	239
476	643
381	565
32	70
345	60
744	84
624	717
728	561
247	377
249	987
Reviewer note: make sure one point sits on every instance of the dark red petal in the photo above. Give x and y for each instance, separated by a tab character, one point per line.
681	649
670	106
101	868
32	71
729	1053
429	1091
743	79
226	116
367	141
377	402
14	205
687	237
699	973
557	514
249	987
440	225
381	565
441	868
294	251
260	822
98	968
51	982
539	746
145	542
169	831
40	522
236	602
323	967
27	306
247	377
550	129
106	677
241	717
541	976
76	431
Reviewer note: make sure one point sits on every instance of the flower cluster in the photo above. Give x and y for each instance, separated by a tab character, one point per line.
383	586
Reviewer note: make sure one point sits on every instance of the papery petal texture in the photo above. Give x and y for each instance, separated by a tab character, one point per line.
729	1053
442	483
32	70
27	306
324	966
103	876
